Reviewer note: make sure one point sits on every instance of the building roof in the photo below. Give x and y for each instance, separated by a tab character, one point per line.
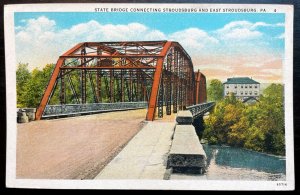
240	80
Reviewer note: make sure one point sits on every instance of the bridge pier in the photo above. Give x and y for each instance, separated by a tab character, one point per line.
198	123
24	115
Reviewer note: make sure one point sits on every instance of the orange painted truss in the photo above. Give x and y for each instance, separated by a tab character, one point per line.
159	72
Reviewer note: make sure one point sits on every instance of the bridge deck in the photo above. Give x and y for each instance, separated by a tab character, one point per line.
74	148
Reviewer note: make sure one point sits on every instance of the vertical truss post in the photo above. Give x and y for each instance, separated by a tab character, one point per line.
62	88
122	87
188	87
192	92
156	82
73	89
107	91
127	90
175	82
141	87
83	77
188	92
180	83
144	93
118	91
197	87
193	86
137	89
131	86
93	86
168	84
141	96
144	86
111	86
98	76
98	85
184	87
161	98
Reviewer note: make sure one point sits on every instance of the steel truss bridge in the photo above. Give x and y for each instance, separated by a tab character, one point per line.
93	76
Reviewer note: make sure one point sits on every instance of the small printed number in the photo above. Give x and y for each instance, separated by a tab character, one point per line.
281	184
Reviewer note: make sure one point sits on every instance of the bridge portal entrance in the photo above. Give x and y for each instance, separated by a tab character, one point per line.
93	76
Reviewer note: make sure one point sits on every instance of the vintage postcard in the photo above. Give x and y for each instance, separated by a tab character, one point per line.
149	96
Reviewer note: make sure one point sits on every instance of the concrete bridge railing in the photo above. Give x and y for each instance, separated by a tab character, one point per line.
200	109
73	109
186	153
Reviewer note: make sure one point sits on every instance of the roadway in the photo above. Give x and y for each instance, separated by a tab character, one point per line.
74	148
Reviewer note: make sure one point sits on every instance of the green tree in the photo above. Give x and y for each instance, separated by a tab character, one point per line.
36	86
224	125
272	119
22	77
215	90
259	127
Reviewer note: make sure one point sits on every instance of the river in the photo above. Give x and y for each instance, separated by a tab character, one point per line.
228	163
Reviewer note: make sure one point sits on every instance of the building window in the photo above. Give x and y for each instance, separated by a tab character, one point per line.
242	93
227	86
246	86
255	86
250	93
235	86
227	92
250	86
242	86
246	93
255	92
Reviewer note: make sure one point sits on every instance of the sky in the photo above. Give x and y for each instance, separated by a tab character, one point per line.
221	45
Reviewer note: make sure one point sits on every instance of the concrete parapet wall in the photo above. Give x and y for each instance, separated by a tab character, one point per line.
184	117
186	151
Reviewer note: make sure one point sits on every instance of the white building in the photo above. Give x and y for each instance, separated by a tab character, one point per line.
244	88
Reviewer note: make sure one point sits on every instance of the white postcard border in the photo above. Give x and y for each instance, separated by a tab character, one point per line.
10	57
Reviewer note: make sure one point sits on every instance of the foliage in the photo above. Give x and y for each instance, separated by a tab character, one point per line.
215	90
31	85
23	76
259	127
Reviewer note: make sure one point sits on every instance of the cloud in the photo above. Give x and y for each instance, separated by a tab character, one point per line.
238	30
35	29
94	31
41	36
241	30
155	35
263	24
40	41
194	40
236	49
279	25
